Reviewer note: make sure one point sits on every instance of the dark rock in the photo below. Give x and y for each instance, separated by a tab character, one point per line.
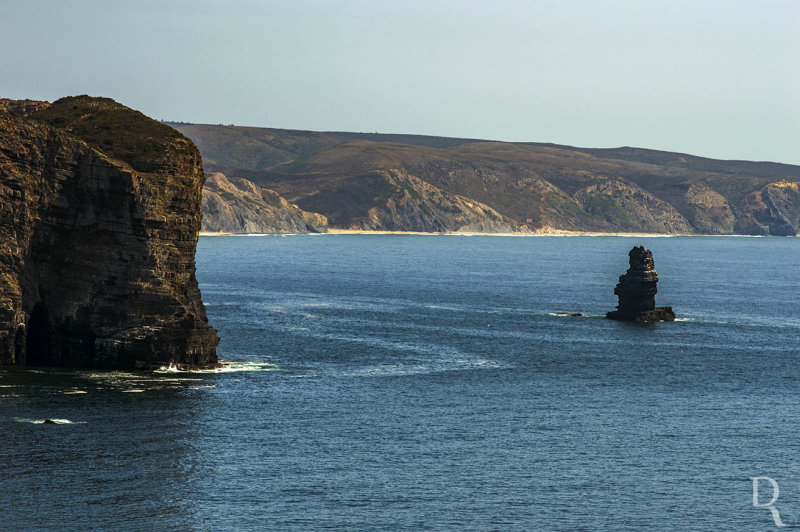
49	422
571	314
100	208
637	291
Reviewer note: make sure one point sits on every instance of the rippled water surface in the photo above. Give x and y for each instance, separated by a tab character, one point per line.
424	383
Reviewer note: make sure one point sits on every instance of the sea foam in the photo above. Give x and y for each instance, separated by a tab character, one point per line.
226	366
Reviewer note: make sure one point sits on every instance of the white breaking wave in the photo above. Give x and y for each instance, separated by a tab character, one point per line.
172	368
416	366
436	366
57	421
232	367
226	366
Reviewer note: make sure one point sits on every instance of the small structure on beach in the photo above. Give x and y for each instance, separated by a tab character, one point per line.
637	291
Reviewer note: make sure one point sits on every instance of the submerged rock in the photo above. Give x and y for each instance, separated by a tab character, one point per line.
637	291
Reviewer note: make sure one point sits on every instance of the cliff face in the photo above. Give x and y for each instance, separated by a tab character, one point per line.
415	204
624	205
238	206
707	210
97	240
394	200
772	210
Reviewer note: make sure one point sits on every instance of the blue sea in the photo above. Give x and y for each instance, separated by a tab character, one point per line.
392	382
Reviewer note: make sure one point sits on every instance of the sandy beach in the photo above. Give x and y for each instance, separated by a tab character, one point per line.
553	232
545	233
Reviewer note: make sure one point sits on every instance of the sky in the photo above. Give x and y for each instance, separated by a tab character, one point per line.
717	78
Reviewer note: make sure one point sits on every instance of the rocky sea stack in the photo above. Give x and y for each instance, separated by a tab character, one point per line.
100	207
637	291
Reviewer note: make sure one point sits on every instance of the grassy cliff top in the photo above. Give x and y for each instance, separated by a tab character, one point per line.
118	131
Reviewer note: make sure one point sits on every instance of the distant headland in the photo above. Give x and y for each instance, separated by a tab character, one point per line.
286	181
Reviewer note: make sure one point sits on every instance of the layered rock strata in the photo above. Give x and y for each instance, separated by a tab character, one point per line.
637	291
99	215
417	204
236	205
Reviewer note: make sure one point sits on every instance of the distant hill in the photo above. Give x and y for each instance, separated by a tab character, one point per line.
357	180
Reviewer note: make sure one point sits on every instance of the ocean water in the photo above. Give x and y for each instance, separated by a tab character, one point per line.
389	382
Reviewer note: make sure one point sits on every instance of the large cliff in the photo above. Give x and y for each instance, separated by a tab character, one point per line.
347	177
99	215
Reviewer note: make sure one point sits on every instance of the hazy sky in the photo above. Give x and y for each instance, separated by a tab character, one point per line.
719	78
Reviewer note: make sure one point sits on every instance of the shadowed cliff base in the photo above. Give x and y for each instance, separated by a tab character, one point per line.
99	212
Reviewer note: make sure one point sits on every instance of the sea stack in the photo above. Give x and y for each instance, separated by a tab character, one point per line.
637	291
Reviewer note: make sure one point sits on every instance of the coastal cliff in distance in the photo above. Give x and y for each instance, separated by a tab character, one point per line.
100	208
383	201
238	206
393	200
356	180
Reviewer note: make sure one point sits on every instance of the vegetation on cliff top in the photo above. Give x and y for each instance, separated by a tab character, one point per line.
117	131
